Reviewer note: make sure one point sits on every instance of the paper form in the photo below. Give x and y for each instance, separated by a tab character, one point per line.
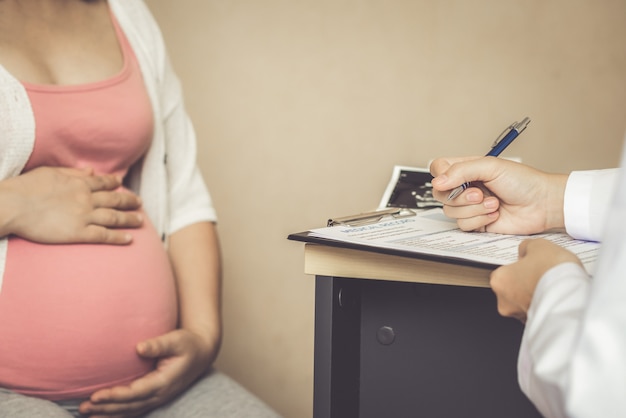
431	233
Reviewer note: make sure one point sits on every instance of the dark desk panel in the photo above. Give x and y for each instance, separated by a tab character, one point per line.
394	350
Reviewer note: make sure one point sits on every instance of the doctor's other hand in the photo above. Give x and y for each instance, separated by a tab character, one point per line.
504	196
514	284
54	205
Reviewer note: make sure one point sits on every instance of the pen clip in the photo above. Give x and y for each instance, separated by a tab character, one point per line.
517	126
504	133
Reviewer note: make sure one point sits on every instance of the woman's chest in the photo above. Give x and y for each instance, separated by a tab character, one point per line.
58	43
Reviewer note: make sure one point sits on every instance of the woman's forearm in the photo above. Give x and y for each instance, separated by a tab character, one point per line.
196	261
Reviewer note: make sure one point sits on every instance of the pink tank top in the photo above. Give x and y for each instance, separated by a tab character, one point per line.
71	315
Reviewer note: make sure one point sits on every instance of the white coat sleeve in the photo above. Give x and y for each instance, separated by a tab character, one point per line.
587	199
549	337
572	360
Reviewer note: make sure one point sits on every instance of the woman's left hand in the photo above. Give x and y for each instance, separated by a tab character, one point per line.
182	356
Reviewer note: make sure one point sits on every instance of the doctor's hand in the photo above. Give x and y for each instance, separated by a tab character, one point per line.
504	196
514	284
182	356
54	205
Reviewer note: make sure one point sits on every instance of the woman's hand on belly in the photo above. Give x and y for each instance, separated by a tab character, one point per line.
182	356
55	205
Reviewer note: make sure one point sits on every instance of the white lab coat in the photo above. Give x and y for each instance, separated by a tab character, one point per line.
572	360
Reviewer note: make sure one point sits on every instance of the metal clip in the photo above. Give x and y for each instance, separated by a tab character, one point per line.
371	217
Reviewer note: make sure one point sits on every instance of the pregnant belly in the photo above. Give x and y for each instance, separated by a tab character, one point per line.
71	315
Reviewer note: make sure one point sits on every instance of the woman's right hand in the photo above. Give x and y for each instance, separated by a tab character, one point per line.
54	205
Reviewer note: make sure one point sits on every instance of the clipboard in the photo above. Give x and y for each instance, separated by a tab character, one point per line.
430	235
373	217
307	237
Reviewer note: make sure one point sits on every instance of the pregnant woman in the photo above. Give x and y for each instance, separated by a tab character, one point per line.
109	257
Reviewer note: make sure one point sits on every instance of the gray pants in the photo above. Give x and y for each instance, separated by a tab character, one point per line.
214	396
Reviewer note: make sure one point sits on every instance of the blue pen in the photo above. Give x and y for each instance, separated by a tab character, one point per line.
503	141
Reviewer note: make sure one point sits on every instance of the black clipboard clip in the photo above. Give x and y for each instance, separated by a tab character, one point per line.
371	217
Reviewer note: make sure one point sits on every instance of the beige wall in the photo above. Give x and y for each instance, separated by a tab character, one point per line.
302	108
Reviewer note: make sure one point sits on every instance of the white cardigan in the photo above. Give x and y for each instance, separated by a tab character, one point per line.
167	179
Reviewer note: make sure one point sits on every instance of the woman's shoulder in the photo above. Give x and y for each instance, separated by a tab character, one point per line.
143	33
137	21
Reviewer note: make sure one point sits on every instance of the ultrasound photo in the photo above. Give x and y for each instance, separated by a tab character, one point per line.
410	188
